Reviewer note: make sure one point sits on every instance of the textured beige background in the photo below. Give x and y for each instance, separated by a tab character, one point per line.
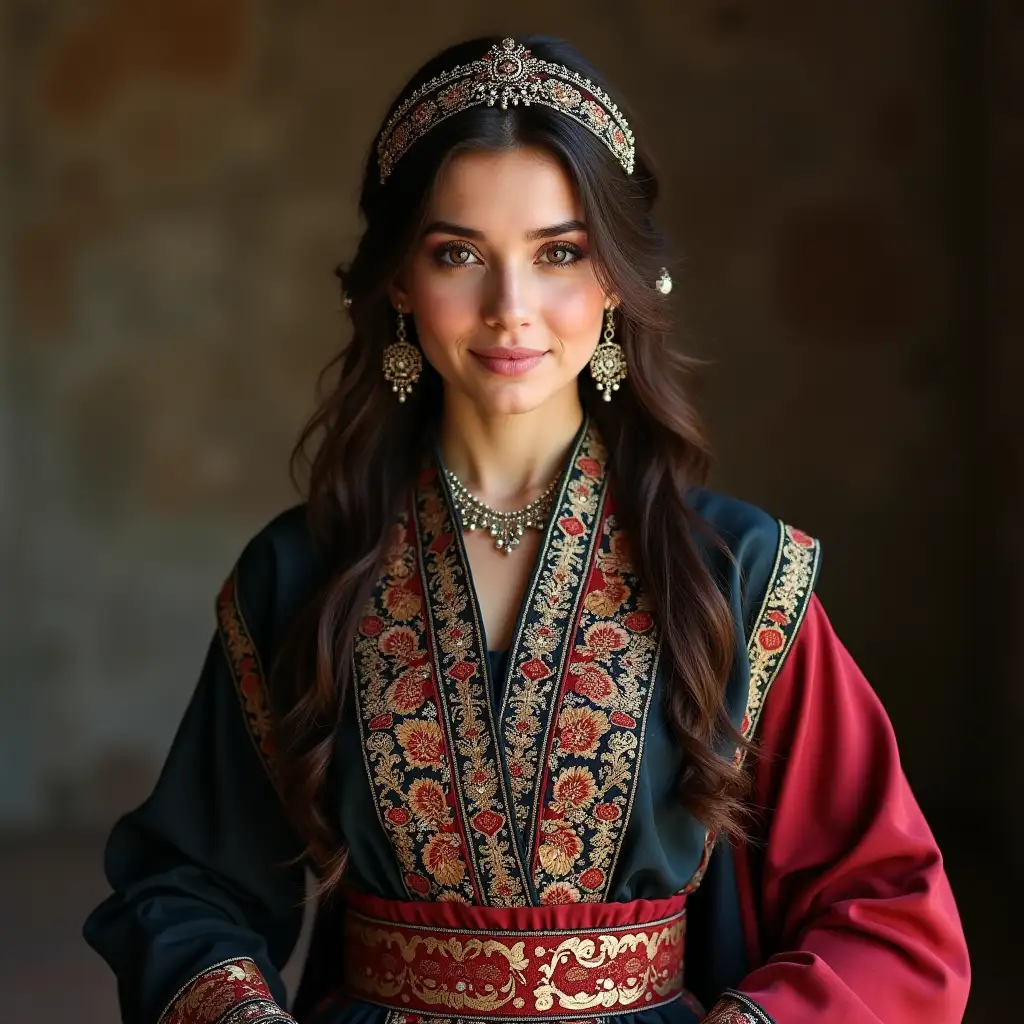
842	186
184	179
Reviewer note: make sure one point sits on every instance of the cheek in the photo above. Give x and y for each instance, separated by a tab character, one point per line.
575	314
445	310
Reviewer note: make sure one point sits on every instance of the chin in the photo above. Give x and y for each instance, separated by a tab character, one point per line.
512	400
513	404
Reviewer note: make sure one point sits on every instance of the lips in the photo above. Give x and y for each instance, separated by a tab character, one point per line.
499	352
509	362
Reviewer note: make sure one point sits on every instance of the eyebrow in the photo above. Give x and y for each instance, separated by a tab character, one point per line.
445	227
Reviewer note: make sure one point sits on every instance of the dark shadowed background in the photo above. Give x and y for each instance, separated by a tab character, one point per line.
842	187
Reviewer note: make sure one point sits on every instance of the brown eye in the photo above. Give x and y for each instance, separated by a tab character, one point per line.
562	255
456	256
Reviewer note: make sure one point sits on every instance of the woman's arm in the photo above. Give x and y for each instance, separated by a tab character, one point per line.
847	906
205	908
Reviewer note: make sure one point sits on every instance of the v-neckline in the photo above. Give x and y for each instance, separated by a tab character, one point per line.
511	650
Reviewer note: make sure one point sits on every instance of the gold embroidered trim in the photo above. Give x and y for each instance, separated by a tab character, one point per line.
405	747
594	760
736	1008
455	639
786	601
500	975
247	672
228	992
543	645
452	798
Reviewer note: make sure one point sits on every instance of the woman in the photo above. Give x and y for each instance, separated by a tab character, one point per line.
562	733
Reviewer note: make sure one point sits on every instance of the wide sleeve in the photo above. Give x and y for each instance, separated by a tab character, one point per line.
207	900
847	907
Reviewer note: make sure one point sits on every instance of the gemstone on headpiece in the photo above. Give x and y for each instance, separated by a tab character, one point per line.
455	94
423	114
562	93
595	112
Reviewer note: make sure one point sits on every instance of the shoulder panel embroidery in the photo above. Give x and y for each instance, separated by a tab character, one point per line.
247	671
785	604
786	600
231	992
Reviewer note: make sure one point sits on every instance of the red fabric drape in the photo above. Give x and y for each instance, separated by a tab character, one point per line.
854	915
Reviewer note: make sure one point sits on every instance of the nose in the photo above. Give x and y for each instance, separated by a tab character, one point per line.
508	303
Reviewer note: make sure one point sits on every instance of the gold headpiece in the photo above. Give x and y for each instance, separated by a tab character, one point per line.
506	74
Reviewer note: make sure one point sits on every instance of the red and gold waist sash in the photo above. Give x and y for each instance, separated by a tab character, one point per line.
575	960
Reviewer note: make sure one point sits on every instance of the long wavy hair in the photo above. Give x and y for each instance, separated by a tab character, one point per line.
367	449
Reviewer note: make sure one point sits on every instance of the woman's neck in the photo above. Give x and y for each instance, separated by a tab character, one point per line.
507	460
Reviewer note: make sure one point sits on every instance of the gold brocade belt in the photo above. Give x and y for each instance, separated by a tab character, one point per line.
576	960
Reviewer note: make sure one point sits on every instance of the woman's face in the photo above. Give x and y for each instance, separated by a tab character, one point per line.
500	283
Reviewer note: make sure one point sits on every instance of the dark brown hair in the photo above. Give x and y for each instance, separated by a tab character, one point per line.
369	447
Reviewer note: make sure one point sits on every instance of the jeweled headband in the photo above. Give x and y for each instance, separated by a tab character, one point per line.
506	74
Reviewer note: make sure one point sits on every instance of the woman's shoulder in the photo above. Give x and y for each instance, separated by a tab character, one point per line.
286	534
751	533
739	523
768	559
279	568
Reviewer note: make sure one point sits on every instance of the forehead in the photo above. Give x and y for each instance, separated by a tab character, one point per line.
518	189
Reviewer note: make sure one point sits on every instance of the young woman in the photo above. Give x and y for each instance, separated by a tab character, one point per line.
562	733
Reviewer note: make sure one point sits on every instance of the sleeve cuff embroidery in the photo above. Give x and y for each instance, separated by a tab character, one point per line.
231	992
736	1008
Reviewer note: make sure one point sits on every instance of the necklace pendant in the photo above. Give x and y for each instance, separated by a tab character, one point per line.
506	528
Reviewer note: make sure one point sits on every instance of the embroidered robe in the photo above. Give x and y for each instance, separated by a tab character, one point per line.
539	777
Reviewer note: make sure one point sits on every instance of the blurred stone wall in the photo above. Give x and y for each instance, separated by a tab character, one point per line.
1003	303
181	181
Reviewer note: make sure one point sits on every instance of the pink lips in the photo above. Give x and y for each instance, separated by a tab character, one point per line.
510	362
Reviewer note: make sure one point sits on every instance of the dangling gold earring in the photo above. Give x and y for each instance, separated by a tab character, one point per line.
608	363
403	363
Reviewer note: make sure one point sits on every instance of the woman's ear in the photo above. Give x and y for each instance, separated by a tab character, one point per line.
398	296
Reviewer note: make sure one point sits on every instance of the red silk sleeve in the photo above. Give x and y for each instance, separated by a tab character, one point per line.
849	910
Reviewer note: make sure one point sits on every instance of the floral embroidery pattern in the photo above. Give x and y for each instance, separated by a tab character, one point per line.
455	639
504	975
593	755
785	603
736	1008
231	992
467	812
247	672
538	657
405	748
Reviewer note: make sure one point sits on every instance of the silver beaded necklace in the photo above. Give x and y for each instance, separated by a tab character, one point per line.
507	528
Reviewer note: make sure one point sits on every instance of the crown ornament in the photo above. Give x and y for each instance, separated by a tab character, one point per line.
506	74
